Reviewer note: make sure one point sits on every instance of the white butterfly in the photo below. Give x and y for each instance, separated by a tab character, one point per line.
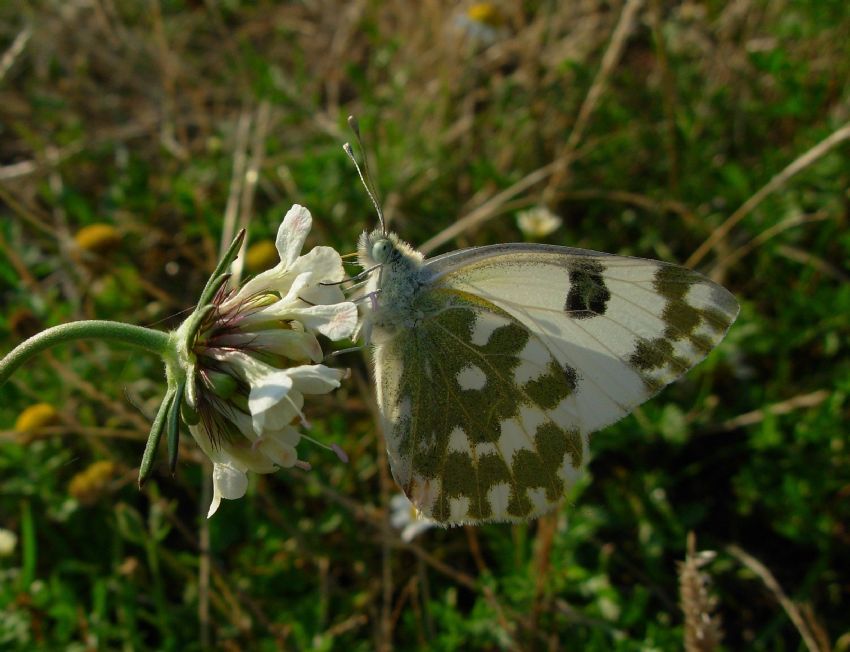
494	364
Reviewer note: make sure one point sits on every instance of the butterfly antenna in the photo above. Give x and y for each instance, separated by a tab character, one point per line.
365	176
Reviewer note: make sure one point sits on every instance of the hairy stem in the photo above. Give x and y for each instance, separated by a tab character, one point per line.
110	331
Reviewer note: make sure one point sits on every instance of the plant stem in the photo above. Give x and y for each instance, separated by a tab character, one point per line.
111	331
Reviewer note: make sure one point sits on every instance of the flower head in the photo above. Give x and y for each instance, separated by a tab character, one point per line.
98	237
36	416
90	484
252	354
8	541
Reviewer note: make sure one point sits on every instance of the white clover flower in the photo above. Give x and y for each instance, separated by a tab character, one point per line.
8	541
537	222
405	517
252	355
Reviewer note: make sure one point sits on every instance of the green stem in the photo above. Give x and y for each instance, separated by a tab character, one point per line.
111	331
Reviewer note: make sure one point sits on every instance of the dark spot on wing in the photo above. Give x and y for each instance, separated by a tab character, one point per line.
588	295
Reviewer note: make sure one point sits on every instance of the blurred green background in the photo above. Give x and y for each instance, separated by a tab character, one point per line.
136	136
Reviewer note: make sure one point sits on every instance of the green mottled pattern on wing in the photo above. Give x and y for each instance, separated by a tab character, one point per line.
432	411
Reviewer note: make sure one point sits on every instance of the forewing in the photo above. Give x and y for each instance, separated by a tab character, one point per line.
471	400
624	327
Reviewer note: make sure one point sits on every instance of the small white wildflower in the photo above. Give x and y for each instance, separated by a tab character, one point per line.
405	517
537	222
255	356
8	541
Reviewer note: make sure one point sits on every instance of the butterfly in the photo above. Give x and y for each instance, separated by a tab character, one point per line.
494	364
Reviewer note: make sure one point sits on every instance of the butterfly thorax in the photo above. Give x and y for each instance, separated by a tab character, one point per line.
397	277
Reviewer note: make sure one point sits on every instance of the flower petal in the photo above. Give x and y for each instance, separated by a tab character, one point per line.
265	395
322	294
273	278
292	234
292	344
401	511
415	528
278	450
282	414
291	296
315	378
287	435
244	366
323	263
335	322
290	240
228	482
251	458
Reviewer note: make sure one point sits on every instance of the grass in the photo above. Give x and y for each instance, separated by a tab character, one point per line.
708	132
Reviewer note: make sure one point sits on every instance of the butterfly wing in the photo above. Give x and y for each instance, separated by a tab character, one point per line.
522	351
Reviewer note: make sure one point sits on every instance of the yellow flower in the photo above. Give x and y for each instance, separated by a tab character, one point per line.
36	416
88	485
485	13
260	256
98	237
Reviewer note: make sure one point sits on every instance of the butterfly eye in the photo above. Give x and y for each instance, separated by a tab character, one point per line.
381	251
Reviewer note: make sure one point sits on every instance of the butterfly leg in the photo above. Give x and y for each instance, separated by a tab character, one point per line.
354	279
350	349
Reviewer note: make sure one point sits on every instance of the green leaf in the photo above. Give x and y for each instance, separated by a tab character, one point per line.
155	435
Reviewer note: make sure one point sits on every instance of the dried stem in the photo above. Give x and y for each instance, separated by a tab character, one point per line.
799	164
609	61
790	607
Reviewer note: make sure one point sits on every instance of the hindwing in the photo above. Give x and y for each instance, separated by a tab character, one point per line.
478	425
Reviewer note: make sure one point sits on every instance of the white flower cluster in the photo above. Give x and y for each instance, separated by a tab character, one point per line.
256	356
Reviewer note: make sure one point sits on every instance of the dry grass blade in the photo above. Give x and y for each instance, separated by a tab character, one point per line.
799	164
557	170
813	261
609	62
703	632
796	220
783	407
204	560
791	608
11	55
461	578
262	121
487	210
237	178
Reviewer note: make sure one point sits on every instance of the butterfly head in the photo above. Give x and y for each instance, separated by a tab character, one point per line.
379	249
